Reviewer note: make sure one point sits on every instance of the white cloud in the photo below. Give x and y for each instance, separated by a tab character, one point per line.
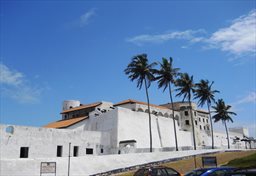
85	18
160	38
10	77
14	85
250	98
239	38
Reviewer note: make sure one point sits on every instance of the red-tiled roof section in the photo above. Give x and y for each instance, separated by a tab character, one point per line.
130	101
65	123
82	107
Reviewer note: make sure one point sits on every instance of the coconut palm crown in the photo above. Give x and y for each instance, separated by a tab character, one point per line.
185	86
165	76
205	94
140	70
223	113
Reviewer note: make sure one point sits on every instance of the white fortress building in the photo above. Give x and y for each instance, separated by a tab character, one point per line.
104	128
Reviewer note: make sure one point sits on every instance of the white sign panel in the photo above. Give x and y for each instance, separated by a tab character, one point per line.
48	167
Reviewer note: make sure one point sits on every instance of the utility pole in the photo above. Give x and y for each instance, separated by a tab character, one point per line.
69	158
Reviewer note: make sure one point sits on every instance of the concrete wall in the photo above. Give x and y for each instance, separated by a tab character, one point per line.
43	142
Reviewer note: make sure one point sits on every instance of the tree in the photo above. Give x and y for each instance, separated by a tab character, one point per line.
165	77
139	69
186	88
223	114
205	94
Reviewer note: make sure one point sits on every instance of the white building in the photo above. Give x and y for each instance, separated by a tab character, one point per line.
104	128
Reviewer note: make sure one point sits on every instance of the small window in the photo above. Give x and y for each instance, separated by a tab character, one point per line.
186	113
24	152
59	151
203	119
101	150
199	119
187	122
89	151
195	122
200	127
195	113
75	151
204	127
208	128
207	121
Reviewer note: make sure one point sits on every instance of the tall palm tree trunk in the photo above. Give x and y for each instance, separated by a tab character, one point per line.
149	115
192	122
208	104
227	133
175	134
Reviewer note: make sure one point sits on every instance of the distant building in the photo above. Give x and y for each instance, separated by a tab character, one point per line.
104	128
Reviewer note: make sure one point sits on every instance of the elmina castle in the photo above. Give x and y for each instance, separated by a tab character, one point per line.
104	128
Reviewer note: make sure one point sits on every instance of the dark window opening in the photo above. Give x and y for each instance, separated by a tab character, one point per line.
195	122
199	119
187	122
195	113
186	113
89	151
200	127
204	127
208	128
101	150
75	151
206	120
24	152
203	120
59	151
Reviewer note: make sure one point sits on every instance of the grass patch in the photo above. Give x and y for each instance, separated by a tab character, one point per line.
248	161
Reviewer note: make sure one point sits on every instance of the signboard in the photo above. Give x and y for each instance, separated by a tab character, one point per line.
209	161
48	168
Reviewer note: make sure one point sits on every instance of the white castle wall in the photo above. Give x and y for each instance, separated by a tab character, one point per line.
88	165
42	142
135	126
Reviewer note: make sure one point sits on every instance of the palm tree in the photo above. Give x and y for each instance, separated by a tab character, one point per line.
139	69
205	94
223	114
186	88
165	77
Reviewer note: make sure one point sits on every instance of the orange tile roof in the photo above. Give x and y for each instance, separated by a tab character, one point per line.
65	123
82	107
130	101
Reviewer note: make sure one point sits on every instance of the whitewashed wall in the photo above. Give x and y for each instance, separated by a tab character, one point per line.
135	126
42	142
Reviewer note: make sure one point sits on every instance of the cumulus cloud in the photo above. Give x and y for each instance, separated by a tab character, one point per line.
160	38
86	17
14	85
239	38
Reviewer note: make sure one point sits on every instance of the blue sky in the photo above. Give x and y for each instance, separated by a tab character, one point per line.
60	50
